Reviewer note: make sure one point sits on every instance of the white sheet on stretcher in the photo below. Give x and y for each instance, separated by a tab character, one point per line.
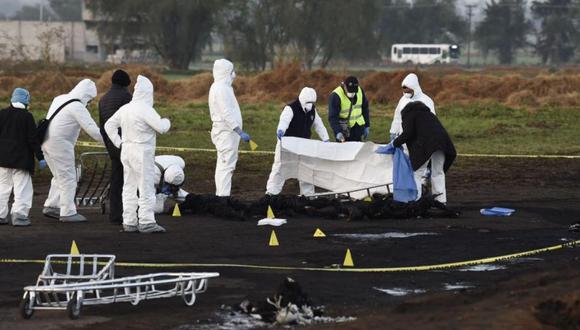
337	167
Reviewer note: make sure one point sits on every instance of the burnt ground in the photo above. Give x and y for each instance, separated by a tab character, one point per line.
542	291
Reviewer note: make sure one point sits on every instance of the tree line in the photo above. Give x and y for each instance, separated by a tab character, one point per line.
258	33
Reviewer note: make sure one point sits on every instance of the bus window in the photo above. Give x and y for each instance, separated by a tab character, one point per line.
399	53
433	51
406	50
394	50
414	50
424	50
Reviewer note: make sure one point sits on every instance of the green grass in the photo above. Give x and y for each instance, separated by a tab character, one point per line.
476	128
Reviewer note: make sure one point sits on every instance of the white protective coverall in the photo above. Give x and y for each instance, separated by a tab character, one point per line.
173	174
226	116
411	81
59	146
276	181
139	123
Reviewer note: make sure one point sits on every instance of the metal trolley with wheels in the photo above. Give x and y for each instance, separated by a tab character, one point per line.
71	291
386	188
93	180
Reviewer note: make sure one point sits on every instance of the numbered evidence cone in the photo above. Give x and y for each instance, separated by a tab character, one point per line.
253	145
74	250
348	259
270	213
176	211
319	233
273	239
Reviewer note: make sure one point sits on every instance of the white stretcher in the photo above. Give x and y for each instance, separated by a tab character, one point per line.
89	280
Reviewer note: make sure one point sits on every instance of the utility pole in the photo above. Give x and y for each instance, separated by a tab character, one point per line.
469	15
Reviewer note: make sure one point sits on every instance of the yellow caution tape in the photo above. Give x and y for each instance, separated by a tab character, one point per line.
264	152
320	269
180	149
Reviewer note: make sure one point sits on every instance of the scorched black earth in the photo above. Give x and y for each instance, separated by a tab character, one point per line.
533	292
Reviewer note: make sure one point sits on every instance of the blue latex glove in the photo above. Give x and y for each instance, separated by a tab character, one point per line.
393	136
166	190
367	132
245	136
388	149
340	137
42	164
280	134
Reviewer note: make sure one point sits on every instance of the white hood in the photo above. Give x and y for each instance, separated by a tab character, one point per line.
412	81
174	175
85	90
143	91
222	71
307	95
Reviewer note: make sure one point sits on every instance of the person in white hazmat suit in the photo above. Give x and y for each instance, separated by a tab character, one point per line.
169	177
411	92
297	119
59	149
140	124
227	127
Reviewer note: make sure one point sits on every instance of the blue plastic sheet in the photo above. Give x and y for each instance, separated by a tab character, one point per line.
404	188
497	212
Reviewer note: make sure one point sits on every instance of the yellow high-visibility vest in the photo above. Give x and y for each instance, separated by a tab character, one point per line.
356	116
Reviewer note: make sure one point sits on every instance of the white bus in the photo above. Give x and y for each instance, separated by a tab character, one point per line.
424	53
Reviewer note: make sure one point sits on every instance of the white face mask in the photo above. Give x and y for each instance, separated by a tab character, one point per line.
408	95
233	75
350	95
308	106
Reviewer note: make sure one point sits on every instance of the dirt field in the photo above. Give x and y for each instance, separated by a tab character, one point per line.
538	292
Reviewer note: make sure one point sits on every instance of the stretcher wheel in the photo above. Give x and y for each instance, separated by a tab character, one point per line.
26	310
73	308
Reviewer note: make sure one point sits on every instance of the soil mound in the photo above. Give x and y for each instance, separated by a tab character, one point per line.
515	87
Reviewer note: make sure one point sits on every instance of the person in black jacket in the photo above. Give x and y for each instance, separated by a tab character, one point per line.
18	145
427	140
115	98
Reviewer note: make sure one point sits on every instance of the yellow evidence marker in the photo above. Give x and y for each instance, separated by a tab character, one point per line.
253	145
319	233
273	239
74	250
176	211
348	259
270	213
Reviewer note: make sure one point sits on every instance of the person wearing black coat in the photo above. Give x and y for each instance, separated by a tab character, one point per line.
18	146
427	140
115	98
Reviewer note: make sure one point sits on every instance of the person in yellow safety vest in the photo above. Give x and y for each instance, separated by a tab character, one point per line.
348	112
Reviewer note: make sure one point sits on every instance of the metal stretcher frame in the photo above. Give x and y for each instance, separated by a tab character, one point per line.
93	180
347	193
71	291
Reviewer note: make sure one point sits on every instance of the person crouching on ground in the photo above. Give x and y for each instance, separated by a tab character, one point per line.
169	178
297	119
427	140
18	145
139	123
